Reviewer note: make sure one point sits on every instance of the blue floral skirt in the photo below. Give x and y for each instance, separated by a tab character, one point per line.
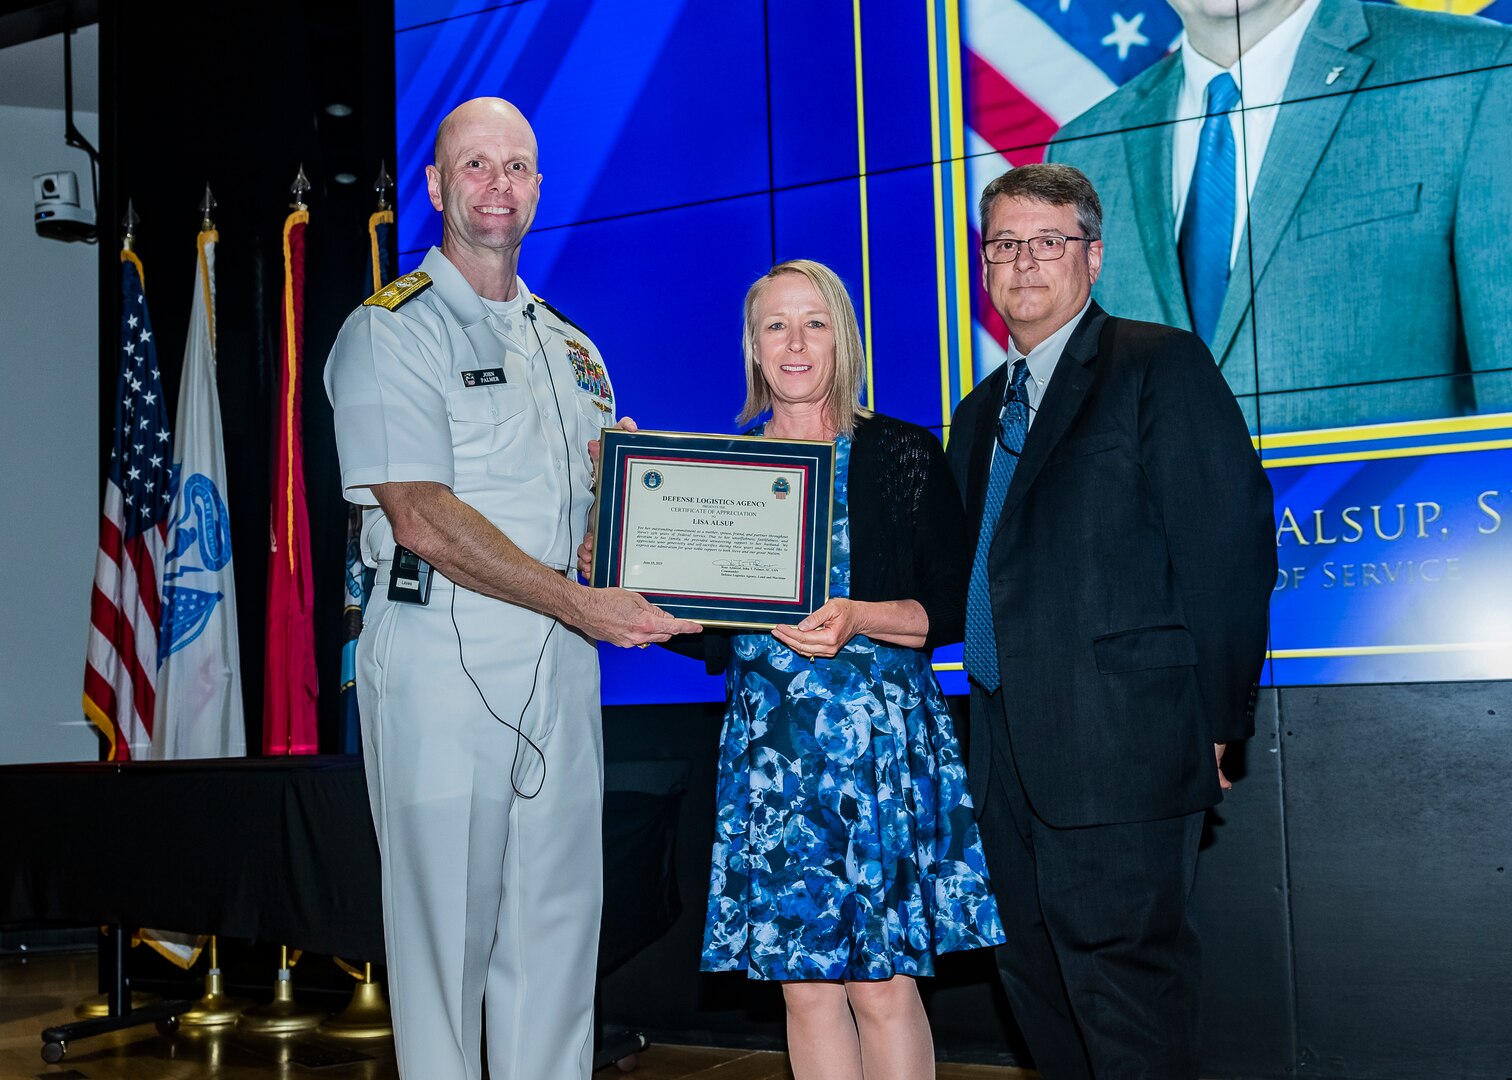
844	844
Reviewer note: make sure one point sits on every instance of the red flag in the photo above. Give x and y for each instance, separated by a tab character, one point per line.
290	685
121	665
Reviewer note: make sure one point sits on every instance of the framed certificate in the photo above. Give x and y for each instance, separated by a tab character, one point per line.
726	530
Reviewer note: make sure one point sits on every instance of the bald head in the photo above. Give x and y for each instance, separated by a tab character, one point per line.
484	111
486	186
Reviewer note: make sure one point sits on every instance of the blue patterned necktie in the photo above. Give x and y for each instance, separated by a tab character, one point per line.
1207	230
1013	426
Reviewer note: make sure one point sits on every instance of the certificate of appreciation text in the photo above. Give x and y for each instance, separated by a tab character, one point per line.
725	530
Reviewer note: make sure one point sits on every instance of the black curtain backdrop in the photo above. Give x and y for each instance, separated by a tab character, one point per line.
238	101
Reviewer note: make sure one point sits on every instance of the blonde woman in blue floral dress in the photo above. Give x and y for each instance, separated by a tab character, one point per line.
845	851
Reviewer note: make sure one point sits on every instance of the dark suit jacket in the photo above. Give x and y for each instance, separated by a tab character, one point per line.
1130	573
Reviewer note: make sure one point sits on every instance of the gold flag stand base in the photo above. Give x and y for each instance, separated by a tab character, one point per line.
281	1016
95	1007
365	1017
215	1009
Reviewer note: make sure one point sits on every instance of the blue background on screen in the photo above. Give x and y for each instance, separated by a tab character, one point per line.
687	146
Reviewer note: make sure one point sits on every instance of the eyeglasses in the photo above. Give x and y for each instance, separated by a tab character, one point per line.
1044	248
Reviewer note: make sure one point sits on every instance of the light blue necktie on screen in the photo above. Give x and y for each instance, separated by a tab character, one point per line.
1013	425
1207	230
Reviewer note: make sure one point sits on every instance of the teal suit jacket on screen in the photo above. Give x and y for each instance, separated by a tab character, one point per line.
1380	227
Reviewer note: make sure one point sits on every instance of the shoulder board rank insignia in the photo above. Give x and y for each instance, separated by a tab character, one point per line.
399	290
557	313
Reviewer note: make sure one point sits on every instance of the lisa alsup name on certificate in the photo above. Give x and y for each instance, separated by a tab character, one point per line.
703	528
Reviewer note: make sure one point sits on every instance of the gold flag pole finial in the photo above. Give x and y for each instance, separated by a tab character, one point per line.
129	222
207	204
382	185
300	185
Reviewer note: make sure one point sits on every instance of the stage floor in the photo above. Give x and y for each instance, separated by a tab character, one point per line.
40	990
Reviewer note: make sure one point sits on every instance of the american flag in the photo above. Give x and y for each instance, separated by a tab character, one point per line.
120	671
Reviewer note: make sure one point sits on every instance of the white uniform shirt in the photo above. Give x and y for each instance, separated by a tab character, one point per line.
1261	75
472	394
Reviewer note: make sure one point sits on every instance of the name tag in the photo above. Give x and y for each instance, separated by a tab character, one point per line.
493	376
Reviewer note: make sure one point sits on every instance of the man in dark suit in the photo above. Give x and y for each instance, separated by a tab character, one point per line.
1116	630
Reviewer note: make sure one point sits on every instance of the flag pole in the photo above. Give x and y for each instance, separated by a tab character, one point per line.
92	1008
214	1009
283	1015
357	579
198	710
367	1015
290	682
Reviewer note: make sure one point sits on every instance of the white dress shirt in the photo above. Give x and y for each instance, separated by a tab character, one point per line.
1042	360
1261	75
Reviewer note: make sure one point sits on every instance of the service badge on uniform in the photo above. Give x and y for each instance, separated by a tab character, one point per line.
590	375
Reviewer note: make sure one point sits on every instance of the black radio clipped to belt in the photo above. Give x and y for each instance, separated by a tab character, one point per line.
409	577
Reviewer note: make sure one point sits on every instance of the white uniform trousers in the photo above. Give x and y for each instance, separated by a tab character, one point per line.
491	899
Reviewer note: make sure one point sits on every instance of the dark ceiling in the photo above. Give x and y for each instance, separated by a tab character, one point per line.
22	21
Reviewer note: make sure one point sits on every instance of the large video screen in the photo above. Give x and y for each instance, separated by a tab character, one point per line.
1366	324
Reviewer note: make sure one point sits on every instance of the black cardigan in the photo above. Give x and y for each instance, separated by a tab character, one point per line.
908	534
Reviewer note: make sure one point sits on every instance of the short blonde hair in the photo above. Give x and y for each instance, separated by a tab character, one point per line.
844	405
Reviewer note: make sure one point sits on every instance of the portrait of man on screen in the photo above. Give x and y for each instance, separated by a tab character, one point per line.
1318	187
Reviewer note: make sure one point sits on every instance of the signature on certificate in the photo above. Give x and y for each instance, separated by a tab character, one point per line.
738	566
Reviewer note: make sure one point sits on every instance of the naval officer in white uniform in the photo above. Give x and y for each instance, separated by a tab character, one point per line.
464	408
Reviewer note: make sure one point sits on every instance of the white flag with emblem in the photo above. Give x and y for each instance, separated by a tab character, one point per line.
199	704
199	701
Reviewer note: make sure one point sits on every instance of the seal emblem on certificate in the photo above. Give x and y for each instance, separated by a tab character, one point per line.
727	530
